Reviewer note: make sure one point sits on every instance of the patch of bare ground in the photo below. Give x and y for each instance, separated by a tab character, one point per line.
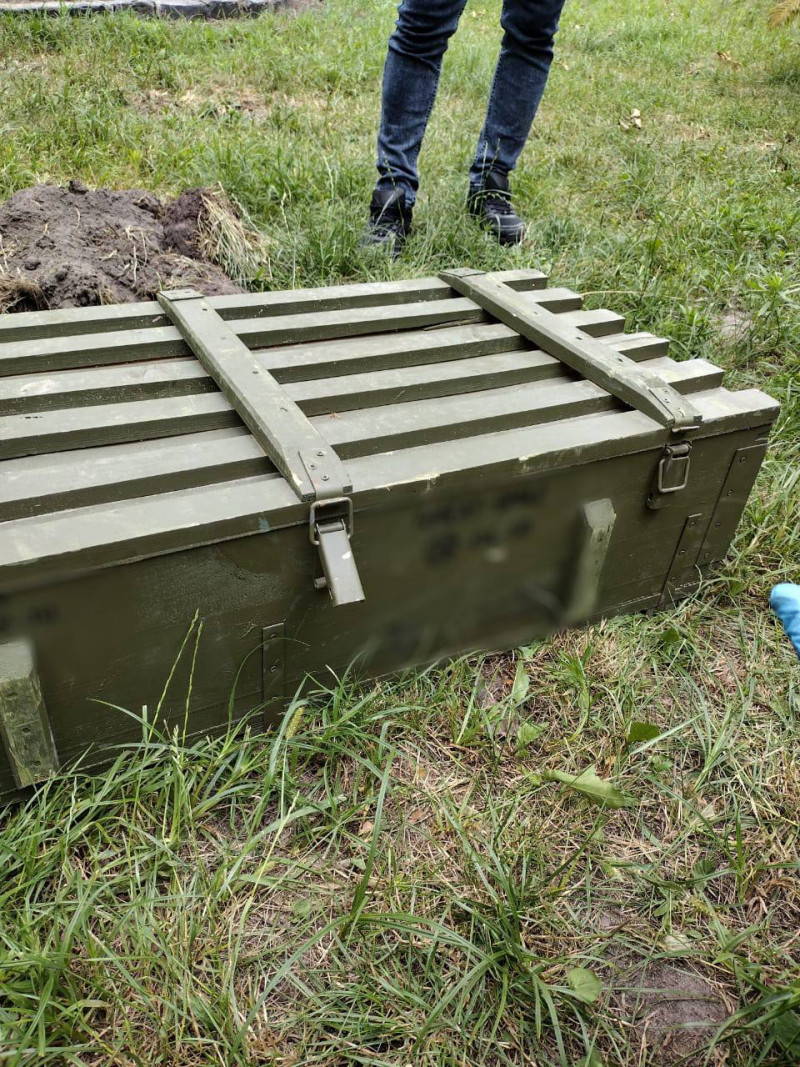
734	325
226	101
672	1010
74	247
667	1008
676	128
10	64
218	102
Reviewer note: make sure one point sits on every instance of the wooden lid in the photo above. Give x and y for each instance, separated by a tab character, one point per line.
115	444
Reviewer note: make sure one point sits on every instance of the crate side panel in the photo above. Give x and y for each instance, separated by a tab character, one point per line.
104	535
480	565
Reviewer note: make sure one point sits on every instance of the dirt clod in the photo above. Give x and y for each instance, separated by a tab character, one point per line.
74	246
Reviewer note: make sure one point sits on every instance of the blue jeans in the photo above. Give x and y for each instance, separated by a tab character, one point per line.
411	77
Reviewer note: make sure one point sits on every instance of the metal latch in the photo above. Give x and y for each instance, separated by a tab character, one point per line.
330	526
672	473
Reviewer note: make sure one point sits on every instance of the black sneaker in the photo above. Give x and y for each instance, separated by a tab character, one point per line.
389	221
491	203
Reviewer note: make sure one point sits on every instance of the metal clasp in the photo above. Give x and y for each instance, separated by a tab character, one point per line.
341	508
330	524
673	468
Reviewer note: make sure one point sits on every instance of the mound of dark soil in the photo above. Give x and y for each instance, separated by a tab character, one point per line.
74	247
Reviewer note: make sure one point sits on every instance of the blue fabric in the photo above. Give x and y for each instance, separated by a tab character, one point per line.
785	602
411	77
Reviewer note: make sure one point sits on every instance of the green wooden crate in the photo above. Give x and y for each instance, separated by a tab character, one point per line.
382	474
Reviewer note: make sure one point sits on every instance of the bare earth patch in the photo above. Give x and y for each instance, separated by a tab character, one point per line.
73	247
734	325
218	103
225	102
673	1011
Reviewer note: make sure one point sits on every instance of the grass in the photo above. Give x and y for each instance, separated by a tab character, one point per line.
395	878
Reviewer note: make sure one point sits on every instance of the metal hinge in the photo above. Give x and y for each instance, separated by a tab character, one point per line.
672	473
330	527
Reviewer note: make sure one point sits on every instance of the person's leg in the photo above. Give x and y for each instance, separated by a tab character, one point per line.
520	77
410	80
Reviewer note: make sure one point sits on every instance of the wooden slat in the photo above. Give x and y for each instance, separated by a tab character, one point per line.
638	346
170	377
55	431
408	384
28	393
399	426
679	373
146	315
53	482
418	381
86	538
164	342
126	346
74	428
589	358
396	426
63	353
302	362
80	478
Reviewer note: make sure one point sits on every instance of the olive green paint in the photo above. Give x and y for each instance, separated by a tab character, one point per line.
598	518
496	494
269	413
32	325
610	370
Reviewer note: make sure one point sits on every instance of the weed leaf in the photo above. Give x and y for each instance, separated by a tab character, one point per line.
786	1031
528	732
600	790
522	684
585	984
642	731
594	1059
